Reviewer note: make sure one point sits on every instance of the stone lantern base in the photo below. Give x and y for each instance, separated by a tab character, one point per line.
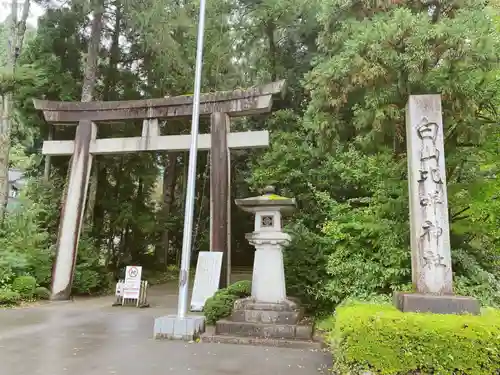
254	322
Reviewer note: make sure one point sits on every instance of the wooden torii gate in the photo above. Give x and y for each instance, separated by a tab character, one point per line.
220	106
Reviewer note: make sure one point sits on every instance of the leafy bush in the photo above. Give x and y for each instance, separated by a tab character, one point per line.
86	280
9	297
7	274
25	286
27	248
383	340
25	245
42	293
221	304
308	251
240	289
155	277
91	277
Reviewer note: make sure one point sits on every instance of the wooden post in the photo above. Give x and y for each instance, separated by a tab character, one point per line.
72	214
219	188
46	172
229	204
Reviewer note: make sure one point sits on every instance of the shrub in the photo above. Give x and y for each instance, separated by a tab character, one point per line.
86	280
240	289
220	305
25	286
42	293
9	297
91	276
383	340
155	277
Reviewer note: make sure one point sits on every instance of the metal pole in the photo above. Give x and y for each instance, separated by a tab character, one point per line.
191	183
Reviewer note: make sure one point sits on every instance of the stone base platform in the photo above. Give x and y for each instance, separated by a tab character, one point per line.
210	337
252	311
264	330
415	302
262	323
171	327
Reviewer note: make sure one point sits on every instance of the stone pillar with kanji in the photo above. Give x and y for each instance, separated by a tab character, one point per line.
432	273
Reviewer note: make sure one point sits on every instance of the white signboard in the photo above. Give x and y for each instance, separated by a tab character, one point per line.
206	280
132	287
119	289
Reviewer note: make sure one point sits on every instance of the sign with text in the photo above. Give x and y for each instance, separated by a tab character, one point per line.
132	287
207	277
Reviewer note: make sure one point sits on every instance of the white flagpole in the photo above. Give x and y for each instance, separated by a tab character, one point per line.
191	183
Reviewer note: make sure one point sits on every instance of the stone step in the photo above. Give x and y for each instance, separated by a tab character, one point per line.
266	316
260	341
262	330
251	304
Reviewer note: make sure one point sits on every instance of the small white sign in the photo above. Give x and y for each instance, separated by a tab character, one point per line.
207	277
132	287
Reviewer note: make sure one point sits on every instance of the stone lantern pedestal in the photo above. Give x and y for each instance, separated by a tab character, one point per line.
268	316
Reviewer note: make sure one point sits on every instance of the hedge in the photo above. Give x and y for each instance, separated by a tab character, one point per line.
221	304
9	297
383	340
42	293
25	286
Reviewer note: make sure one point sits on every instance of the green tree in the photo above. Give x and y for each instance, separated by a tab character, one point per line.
349	172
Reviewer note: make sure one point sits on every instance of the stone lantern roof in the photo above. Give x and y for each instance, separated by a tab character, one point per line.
268	201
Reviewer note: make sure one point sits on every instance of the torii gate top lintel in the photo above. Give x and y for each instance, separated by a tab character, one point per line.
235	103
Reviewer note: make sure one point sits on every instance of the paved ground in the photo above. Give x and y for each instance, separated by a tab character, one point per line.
88	337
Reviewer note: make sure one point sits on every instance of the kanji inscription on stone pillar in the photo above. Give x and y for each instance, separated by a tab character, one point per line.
429	223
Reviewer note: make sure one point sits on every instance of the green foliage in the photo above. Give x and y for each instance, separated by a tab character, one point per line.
308	251
42	293
91	276
9	297
344	159
240	289
25	247
385	341
25	286
221	304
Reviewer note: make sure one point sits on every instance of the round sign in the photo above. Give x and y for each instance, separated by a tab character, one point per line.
133	272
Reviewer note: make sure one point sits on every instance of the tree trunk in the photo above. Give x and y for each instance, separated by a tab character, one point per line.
95	211
46	171
16	39
88	89
273	54
169	182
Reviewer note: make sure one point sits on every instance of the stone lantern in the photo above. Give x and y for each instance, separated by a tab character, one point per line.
268	279
268	314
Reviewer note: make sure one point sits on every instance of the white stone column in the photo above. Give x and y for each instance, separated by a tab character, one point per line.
268	278
72	212
430	236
